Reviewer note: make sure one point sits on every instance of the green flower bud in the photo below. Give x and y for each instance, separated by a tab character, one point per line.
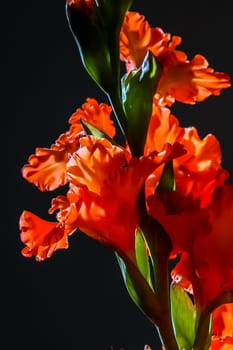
95	26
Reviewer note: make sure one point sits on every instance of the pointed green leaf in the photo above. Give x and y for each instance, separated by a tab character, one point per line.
128	281
138	87
142	257
167	181
92	130
138	288
183	316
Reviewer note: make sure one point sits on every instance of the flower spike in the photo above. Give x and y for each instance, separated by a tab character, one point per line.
154	192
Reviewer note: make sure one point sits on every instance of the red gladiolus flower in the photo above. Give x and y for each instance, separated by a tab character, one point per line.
189	81
113	182
137	37
197	172
184	186
182	80
104	185
204	238
46	169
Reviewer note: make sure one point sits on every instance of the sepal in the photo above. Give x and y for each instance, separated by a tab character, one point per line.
139	289
166	181
138	87
92	130
142	257
183	317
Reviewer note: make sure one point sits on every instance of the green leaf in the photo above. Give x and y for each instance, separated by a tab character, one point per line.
128	282
167	181
183	317
142	257
138	87
139	290
92	130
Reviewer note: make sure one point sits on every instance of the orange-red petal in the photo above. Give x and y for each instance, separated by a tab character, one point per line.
197	172
223	321
105	183
95	114
135	38
93	163
189	81
222	330
225	343
41	238
107	219
46	169
183	80
206	237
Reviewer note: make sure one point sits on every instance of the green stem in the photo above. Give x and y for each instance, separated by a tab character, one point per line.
165	325
166	335
160	247
115	101
204	330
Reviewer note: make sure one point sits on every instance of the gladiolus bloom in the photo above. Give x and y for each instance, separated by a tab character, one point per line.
46	169
101	201
204	238
198	172
183	80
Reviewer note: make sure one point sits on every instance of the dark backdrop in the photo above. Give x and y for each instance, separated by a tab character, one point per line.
76	300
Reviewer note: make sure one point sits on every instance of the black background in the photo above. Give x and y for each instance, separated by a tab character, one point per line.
76	299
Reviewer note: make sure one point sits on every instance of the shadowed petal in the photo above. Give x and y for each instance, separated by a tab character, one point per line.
204	237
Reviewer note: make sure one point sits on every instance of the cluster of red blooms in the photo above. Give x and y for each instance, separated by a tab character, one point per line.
105	179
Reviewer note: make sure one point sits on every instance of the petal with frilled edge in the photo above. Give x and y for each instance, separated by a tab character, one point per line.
46	169
190	81
42	238
95	114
